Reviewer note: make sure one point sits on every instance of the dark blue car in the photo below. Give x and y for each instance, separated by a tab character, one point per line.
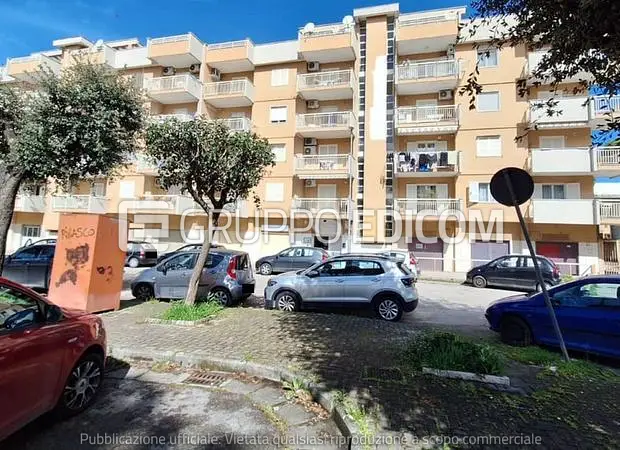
588	311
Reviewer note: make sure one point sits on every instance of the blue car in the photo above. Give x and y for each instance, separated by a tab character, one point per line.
588	312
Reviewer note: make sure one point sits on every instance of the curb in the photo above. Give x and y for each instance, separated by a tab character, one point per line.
318	390
468	376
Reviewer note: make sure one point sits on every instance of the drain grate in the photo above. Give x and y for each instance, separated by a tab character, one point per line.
210	379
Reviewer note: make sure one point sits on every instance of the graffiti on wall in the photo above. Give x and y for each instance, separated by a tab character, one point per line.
77	258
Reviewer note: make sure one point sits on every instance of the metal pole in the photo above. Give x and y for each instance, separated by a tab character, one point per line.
539	276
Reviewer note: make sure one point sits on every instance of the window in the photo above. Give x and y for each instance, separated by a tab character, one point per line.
29	253
289	252
182	262
31	231
279	152
542	263
488	101
332	269
507	263
17	309
553	191
278	114
279	77
365	268
487	57
487	146
588	295
213	260
47	252
426	191
274	192
484	192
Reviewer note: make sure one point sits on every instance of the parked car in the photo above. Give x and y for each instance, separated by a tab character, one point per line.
380	282
31	266
515	272
407	257
29	242
228	275
140	254
588	312
293	258
51	358
185	248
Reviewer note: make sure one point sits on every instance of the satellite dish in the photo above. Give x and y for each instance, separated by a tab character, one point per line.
348	20
309	28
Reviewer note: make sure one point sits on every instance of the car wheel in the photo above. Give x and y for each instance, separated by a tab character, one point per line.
515	331
389	308
143	292
479	281
287	301
222	296
82	386
133	262
265	269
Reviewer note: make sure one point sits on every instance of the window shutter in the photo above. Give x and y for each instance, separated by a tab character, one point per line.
573	191
537	191
473	192
442	191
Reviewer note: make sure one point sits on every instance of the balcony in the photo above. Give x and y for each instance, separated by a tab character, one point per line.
235	56
426	77
569	212
174	89
430	31
322	167
574	161
30	203
335	85
96	55
603	108
427	120
342	206
160	118
29	68
145	165
176	51
229	94
608	212
427	164
328	43
238	123
330	125
427	206
165	204
79	203
534	58
607	161
569	113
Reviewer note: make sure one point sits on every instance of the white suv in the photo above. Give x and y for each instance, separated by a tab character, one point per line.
351	281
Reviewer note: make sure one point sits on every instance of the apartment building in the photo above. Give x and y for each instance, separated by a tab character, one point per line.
365	120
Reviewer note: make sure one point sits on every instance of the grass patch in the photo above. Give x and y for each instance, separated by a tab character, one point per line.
198	311
358	414
273	417
296	389
447	351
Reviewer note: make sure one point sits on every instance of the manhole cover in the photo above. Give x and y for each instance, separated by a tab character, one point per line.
209	379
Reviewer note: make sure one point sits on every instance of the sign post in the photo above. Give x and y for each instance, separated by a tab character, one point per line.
513	187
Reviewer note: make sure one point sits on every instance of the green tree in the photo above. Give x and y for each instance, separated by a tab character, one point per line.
81	123
581	37
214	165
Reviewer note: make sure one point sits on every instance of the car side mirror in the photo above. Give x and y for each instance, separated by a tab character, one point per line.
21	319
53	314
312	274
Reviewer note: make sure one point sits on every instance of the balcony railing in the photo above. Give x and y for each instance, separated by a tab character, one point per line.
575	160
242	87
570	110
175	203
603	104
69	202
427	162
412	19
194	46
30	203
324	163
340	119
341	205
430	69
144	164
326	30
180	117
428	205
238	123
337	78
563	211
231	44
179	83
607	157
425	114
609	210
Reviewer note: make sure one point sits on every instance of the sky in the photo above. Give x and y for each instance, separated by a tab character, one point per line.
28	26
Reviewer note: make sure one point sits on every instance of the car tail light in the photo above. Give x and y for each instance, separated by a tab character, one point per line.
412	259
231	270
407	281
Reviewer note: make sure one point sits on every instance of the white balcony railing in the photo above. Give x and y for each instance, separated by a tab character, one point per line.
174	203
238	123
230	44
576	160
184	82
334	79
428	205
424	114
604	104
326	30
426	162
30	203
411	19
327	163
609	210
607	157
339	119
144	164
69	202
567	110
430	69
194	44
180	117
563	211
341	205
242	87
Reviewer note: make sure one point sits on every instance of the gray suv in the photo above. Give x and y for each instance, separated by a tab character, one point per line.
227	275
354	281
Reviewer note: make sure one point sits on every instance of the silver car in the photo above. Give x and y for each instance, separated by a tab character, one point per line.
227	275
354	281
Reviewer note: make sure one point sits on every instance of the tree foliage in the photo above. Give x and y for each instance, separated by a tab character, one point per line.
581	37
209	162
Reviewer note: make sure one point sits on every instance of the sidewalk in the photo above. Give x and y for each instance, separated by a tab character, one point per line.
450	277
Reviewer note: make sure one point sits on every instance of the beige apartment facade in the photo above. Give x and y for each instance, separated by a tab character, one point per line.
370	136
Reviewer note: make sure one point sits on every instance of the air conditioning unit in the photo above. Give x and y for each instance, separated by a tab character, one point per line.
314	66
312	104
167	71
310	183
215	74
446	94
451	51
309	150
194	68
309	141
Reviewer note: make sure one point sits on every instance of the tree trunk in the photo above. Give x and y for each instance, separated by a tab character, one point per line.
9	185
192	289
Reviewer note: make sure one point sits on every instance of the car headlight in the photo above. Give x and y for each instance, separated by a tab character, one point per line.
272	282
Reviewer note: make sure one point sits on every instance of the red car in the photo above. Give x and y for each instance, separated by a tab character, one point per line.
51	358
